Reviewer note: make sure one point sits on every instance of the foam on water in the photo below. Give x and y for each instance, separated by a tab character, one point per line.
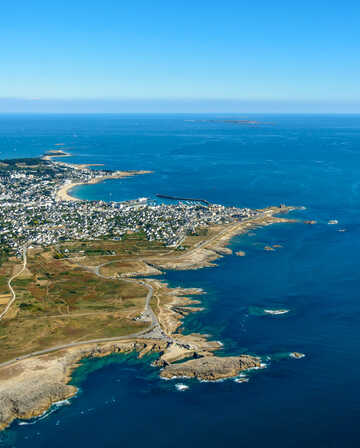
56	405
275	312
181	387
263	365
296	355
175	377
241	379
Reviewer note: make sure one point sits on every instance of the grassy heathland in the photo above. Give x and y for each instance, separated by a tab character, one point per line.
59	300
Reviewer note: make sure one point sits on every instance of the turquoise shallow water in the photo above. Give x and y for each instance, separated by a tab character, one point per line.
300	160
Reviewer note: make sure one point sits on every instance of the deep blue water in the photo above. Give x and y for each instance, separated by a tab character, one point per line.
301	160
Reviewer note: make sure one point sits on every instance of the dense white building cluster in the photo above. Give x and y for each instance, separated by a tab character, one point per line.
31	214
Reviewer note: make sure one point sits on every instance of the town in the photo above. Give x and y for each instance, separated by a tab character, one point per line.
31	212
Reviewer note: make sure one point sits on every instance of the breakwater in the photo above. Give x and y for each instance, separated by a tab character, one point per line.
178	198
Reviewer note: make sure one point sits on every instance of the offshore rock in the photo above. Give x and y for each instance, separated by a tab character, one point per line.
240	253
211	368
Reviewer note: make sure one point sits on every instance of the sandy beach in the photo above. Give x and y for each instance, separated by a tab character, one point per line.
63	194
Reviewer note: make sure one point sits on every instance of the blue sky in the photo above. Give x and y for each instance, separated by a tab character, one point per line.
55	54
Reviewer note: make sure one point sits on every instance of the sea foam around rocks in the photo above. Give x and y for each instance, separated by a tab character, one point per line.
54	407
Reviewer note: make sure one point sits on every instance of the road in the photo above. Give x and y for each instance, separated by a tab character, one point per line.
148	314
76	344
13	294
154	332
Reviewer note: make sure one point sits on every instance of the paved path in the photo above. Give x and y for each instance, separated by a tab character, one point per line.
13	294
148	314
76	344
154	332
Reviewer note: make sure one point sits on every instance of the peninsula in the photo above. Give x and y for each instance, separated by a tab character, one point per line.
76	282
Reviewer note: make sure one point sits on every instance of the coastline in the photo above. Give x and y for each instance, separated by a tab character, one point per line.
206	252
21	396
22	377
55	153
63	193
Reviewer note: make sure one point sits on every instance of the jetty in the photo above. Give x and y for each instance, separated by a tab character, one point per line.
178	198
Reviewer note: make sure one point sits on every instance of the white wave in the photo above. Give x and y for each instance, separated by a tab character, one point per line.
38	419
62	403
241	379
166	379
45	414
262	365
179	377
221	380
181	387
276	312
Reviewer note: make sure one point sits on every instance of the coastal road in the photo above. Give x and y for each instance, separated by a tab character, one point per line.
145	333
153	332
148	314
13	294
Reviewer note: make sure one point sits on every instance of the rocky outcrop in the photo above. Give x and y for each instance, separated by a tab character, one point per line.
211	368
31	401
29	387
240	253
297	355
205	253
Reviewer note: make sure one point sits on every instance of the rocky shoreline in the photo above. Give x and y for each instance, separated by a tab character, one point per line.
30	386
211	368
22	398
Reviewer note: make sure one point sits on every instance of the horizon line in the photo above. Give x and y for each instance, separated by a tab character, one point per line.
177	113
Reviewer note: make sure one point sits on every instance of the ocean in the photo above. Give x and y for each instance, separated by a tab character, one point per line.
303	160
